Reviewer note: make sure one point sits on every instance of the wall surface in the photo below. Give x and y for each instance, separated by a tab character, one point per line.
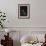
37	13
37	21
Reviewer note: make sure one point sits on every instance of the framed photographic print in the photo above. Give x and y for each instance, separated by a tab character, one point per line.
23	11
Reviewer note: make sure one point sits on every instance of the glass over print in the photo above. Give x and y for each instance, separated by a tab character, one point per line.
24	11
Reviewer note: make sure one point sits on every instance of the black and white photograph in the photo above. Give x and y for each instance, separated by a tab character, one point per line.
24	11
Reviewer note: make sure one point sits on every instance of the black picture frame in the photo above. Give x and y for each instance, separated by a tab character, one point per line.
23	11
